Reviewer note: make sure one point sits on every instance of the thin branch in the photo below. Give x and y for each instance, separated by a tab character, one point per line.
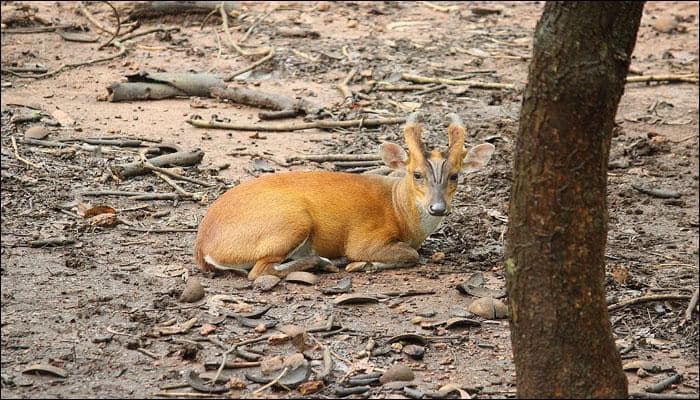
285	127
272	382
20	158
690	78
644	299
471	84
252	66
122	51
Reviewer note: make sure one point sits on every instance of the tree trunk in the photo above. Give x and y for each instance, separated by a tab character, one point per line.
555	264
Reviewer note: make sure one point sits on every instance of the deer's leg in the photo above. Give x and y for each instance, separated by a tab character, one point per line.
388	256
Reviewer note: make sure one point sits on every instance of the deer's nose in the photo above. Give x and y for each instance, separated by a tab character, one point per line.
437	209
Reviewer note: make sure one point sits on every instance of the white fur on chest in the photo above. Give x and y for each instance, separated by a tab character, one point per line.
429	223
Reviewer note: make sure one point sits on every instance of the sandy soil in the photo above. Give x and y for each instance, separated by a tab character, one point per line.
87	308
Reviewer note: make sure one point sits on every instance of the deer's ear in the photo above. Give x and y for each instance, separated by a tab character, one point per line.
477	157
393	155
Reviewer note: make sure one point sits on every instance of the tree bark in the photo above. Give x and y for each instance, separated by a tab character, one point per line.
555	265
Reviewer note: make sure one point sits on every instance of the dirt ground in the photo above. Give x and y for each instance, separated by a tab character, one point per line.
91	310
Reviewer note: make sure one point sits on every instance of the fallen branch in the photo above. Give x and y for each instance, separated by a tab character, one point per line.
356	164
689	78
663	384
387	87
180	158
471	84
157	196
287	105
336	157
644	299
321	124
51	242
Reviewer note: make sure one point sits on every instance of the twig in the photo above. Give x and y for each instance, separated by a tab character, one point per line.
472	84
154	30
272	382
304	55
256	23
51	242
20	158
690	78
94	21
691	305
387	87
672	396
357	164
186	394
115	34
336	157
113	193
439	8
232	43
40	29
122	51
156	196
429	90
343	86
681	140
252	66
232	349
146	352
321	124
158	230
644	299
172	174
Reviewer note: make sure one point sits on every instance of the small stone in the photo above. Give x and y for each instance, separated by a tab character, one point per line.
206	329
489	308
323	6
446	360
193	291
352	23
437	257
36	132
397	373
665	24
102	338
414	351
265	283
261	328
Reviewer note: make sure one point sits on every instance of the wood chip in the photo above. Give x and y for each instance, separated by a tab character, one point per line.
46	368
302	277
397	373
354	299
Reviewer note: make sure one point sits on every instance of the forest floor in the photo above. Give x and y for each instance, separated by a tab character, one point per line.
88	318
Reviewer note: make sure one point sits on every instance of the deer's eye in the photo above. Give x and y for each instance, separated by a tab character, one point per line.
417	176
454	177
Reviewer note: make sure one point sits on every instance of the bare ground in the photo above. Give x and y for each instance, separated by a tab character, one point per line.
88	307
